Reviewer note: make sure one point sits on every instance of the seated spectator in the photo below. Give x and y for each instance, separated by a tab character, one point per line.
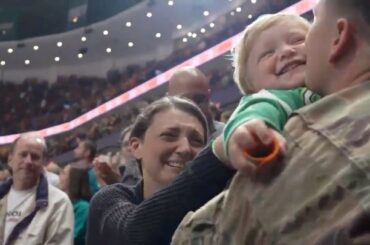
52	178
215	111
33	211
53	167
225	116
84	154
165	137
129	165
106	167
120	167
321	194
191	83
75	182
4	172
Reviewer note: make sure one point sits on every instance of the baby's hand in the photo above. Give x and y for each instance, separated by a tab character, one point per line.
254	144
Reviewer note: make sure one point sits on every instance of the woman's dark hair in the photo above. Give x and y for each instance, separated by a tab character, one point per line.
145	118
79	187
124	132
91	146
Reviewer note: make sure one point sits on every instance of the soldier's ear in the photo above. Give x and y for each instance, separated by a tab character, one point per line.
343	41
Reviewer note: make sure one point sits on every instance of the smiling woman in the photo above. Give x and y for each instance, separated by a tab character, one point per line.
165	139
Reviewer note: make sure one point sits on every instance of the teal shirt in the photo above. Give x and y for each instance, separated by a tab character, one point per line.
273	106
93	181
81	211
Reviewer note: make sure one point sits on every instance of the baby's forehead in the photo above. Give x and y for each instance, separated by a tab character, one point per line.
288	25
276	30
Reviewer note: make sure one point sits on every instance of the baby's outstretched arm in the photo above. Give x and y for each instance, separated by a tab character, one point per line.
253	144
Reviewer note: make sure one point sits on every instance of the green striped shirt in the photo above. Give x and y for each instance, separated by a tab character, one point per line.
273	106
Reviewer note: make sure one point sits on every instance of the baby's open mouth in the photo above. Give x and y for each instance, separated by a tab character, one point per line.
290	66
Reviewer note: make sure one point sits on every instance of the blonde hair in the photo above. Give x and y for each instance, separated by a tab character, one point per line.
244	46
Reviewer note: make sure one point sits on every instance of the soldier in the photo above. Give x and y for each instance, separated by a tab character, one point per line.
321	195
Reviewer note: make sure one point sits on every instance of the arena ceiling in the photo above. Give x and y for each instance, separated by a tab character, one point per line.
146	26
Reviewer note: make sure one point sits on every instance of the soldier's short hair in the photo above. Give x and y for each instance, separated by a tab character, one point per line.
358	10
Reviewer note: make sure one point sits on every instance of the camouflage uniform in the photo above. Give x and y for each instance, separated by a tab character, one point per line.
320	196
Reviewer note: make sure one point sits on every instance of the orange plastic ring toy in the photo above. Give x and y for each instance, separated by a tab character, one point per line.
275	150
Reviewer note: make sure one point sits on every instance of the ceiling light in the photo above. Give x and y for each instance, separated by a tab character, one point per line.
179	27
250	16
149	14
105	32
232	13
130	44
27	62
170	2
211	24
10	50
128	24
202	30
35	47
184	39
79	55
205	13
108	50
158	35
59	44
57	59
3	63
253	1
83	39
190	34
194	35
238	9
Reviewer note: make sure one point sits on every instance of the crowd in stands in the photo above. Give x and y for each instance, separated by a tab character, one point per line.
52	103
55	102
105	125
35	104
288	166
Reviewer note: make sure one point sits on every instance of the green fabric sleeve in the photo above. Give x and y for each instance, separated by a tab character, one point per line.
271	106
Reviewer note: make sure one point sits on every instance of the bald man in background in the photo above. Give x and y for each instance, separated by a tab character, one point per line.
191	83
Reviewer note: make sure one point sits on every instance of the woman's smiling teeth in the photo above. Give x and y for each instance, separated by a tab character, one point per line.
176	164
